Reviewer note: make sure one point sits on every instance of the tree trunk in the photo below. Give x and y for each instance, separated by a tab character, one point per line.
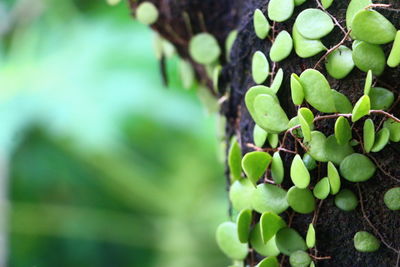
180	19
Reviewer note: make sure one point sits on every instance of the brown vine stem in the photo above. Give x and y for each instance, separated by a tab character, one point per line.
377	5
333	49
333	18
268	149
321	258
386	114
371	224
383	170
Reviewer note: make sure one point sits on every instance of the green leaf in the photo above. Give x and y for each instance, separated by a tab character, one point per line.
372	27
269	115
299	259
394	128
280	10
229	243
301	200
269	262
273	140
269	197
147	13
215	77
326	3
277	168
259	136
317	91
392	198
304	47
296	89
353	8
368	83
235	160
270	224
306	119
240	194
368	135
361	108
335	152
381	140
366	242
316	147
260	67
342	131
299	2
243	223
299	173
230	40
346	200
204	48
381	98
282	47
357	168
309	162
276	84
340	62
394	56
255	164
261	25
334	178
251	95
322	188
310	237
186	74
342	103
269	249
314	23
312	264
289	240
369	57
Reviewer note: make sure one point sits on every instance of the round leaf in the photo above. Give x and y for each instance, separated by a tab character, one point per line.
366	242
392	198
342	103
270	224
269	249
342	131
381	98
368	135
310	237
353	8
369	57
277	168
289	240
254	165
296	89
382	138
229	243
251	95
282	47
259	136
147	13
361	108
299	173
316	147
235	160
299	259
340	62
260	67
394	128
304	47
204	48
269	115
280	10
394	56
335	152
269	197
240	194
334	178
261	25
243	223
346	200
314	23
357	168
322	188
301	200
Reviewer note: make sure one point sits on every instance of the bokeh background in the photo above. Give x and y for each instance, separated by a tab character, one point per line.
100	164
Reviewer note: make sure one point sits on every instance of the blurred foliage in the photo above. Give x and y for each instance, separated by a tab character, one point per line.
107	167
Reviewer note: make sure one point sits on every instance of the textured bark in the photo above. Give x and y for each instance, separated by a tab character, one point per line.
335	229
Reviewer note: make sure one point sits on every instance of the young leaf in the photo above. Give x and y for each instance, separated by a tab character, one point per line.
289	240
394	56
314	23
277	168
261	25
382	138
280	10
254	165
229	243
269	249
235	160
270	224
361	108
243	223
334	178
259	136
204	48
296	89
310	237
260	67
276	84
269	115
301	200
282	47
342	131
299	173
322	188
368	135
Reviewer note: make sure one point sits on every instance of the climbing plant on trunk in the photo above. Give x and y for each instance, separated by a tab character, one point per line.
310	91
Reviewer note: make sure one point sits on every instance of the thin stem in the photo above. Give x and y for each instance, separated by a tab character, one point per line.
385	114
330	15
377	5
321	258
382	169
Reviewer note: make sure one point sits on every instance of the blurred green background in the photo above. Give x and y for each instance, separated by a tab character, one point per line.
100	165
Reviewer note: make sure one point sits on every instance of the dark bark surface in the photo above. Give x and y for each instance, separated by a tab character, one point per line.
180	19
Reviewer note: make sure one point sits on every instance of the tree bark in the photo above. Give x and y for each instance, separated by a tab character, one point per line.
180	19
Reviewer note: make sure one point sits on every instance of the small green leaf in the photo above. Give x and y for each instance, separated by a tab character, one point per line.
280	10
326	3
301	200
299	173
260	67
269	197
342	131
147	13
361	108
240	194
204	48
289	240
243	223
340	62
261	25
322	188
394	56
235	160
357	168
342	103
317	91
335	152
372	27
229	243
304	47
316	147
296	89
312	264
215	77
277	168
334	178
353	8
270	224
314	23
394	128
299	259
368	135
255	91
346	200
306	119
282	47
368	83
273	140
269	262
186	74
230	40
381	140
310	237
276	84
299	2
254	165
366	242
259	136
269	115
269	249
381	98
309	162
392	198
368	56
